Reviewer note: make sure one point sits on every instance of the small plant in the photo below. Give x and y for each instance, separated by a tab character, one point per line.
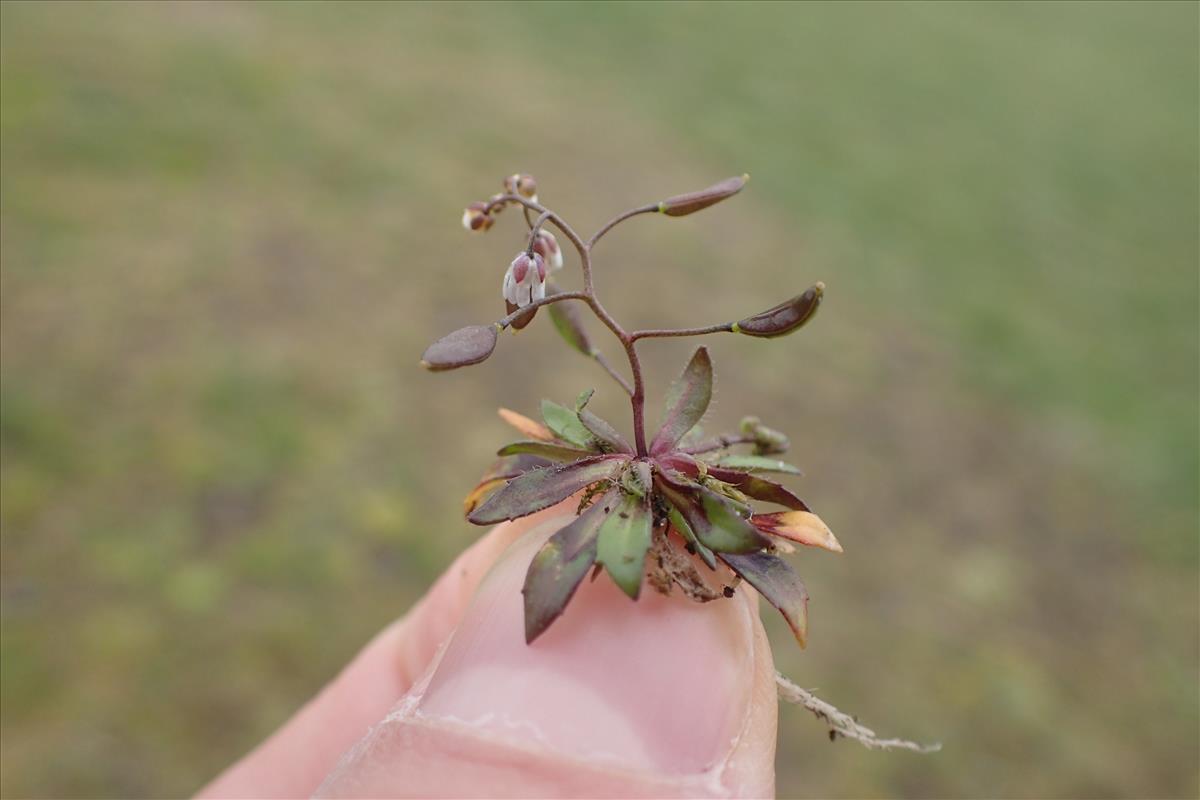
646	507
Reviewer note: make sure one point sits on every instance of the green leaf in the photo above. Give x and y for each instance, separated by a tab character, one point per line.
557	570
687	400
542	488
554	452
583	399
779	584
680	524
568	321
623	542
757	464
565	424
713	519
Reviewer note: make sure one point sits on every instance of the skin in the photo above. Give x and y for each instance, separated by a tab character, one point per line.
662	698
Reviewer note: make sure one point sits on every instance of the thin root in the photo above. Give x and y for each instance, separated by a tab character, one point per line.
842	724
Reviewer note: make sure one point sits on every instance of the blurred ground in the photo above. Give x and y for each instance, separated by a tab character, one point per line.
229	230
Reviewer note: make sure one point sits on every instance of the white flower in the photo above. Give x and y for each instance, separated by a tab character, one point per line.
545	245
525	280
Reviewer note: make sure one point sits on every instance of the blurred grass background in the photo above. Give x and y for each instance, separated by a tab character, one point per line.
228	231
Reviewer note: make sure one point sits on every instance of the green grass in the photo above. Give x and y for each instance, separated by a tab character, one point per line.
228	231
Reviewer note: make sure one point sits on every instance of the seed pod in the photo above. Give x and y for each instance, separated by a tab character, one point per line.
522	319
682	204
785	317
462	348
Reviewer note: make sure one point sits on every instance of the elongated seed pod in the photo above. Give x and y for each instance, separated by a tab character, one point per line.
785	317
683	204
462	348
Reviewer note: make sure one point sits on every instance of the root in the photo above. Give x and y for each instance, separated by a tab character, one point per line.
844	725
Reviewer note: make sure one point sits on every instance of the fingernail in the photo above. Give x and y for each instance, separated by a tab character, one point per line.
661	685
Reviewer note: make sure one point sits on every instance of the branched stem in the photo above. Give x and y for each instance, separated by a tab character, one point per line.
637	392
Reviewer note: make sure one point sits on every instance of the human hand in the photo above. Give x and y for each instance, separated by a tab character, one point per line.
662	698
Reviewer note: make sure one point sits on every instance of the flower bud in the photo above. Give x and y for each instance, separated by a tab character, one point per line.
785	317
523	185
767	441
545	245
682	204
476	218
462	348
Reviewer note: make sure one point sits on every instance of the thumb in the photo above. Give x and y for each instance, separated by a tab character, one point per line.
661	698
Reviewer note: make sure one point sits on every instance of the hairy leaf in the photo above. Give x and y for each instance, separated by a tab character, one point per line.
713	519
778	583
798	526
554	452
756	464
504	470
758	488
623	541
531	428
606	434
565	424
557	570
687	400
542	488
462	348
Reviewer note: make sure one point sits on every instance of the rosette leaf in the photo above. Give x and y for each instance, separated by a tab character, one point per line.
565	424
714	520
549	450
558	568
751	463
802	527
624	538
504	470
758	488
778	583
541	488
527	426
687	400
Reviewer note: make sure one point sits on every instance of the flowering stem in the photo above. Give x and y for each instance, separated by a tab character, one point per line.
545	301
660	333
719	443
617	220
637	393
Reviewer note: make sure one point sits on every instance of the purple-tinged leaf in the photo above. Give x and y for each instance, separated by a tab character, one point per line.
779	584
758	488
682	204
687	400
554	452
557	570
606	434
803	527
623	541
747	463
712	518
785	317
542	488
505	469
462	348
